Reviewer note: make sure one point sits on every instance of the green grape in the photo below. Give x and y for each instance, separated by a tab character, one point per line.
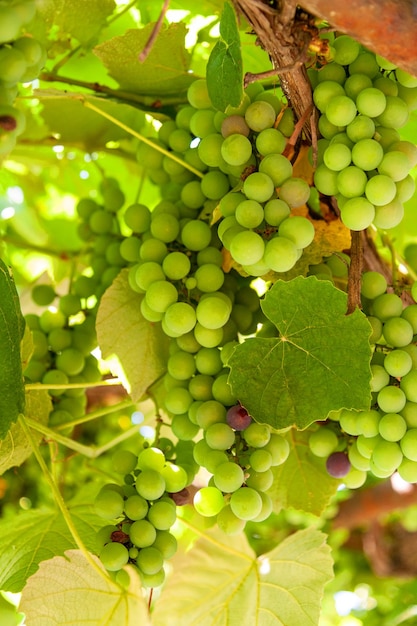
258	186
394	164
398	332
246	503
214	185
213	459
222	391
113	198
351	182
70	361
326	180
260	481
148	313
361	127
136	507
408	470
341	110
219	436
395	114
269	96
236	149
124	461
101	222
166	543
51	319
371	102
229	523
331	71
354	478
249	214
365	63
323	442
229	202
408	385
270	141
373	284
200	387
357	213
380	189
108	504
150	484
295	192
12	65
367	154
367	423
160	295
347	49
366	445
410	314
138	218
151	458
162	515
210	412
409	413
208	361
209	150
327	129
192	195
276	211
337	157
114	556
391	399
407	148
209	277
279	449
55	377
183	427
325	92
176	265
175	477
340	138
228	477
409	444
266	509
149	560
389	215
380	378
392	427
180	317
208	501
181	365
387	455
207	337
281	254
165	227
210	255
297	229
357	460
277	167
198	95
257	435
196	235
260	115
43	295
247	247
178	400
260	460
213	312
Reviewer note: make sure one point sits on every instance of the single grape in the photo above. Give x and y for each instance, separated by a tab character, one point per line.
392	427
238	418
323	441
208	501
260	115
108	504
229	523
124	461
338	464
228	477
114	556
166	543
258	186
387	455
219	436
150	484
162	515
246	503
247	247
149	560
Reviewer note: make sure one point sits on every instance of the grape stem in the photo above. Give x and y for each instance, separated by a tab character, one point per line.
97	413
154	34
355	273
59	499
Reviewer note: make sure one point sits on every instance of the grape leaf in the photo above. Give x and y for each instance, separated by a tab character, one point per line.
224	67
35	536
227	584
70	591
77	18
15	448
12	326
319	363
76	125
140	346
165	70
302	482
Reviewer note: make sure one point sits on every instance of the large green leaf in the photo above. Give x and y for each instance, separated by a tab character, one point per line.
15	448
35	536
220	581
140	346
224	67
165	70
302	482
319	362
77	18
12	325
70	591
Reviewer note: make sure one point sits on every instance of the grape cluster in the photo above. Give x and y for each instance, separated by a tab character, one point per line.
144	509
363	100
239	453
21	60
383	439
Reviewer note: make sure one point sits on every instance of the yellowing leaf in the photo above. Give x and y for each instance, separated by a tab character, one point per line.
69	591
140	346
221	582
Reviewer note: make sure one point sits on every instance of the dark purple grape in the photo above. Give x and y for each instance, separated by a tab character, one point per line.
182	497
238	418
338	464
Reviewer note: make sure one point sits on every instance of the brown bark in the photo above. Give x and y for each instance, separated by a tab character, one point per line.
388	27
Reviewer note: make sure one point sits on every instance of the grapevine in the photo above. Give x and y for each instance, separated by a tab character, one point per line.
220	334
